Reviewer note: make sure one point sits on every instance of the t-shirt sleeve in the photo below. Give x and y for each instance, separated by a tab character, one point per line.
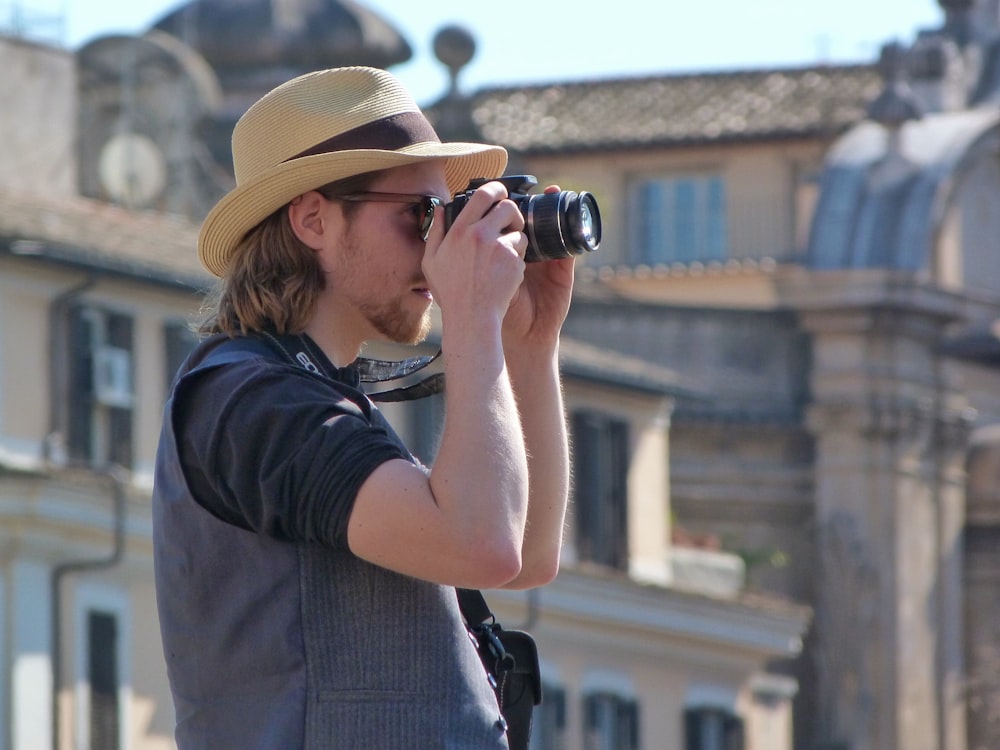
277	450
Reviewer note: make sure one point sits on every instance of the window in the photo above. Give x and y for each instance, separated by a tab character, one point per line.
100	387
102	696
102	677
178	342
427	421
600	470
712	729
679	219
548	720
611	722
806	191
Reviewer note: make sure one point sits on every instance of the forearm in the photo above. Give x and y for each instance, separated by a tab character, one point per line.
480	474
538	391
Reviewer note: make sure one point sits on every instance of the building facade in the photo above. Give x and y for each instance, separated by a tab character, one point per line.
815	248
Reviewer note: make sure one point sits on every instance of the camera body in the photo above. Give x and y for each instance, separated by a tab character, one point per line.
558	225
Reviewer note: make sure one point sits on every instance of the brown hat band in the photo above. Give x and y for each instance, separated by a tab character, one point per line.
388	134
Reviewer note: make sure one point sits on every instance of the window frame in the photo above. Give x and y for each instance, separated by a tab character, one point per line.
98	434
426	423
104	599
548	724
179	340
731	729
601	461
691	224
625	728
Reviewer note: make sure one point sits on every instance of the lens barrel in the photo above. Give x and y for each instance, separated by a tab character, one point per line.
558	225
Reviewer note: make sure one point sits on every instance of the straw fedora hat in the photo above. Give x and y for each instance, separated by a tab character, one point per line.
321	127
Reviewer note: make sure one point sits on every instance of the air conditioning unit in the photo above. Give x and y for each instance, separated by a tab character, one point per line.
113	377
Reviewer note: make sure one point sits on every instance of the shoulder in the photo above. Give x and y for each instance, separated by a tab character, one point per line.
220	350
248	374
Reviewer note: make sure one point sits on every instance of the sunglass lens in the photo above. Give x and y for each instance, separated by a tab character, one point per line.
427	221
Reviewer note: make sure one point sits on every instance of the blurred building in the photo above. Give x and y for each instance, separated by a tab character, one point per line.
816	249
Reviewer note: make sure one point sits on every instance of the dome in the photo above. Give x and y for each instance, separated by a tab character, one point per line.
884	196
250	35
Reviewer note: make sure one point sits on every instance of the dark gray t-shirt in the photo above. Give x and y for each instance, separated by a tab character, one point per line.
270	446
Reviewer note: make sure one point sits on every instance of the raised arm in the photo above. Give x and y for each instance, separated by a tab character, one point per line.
464	524
531	339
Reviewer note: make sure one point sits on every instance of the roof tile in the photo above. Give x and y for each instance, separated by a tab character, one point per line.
101	235
650	111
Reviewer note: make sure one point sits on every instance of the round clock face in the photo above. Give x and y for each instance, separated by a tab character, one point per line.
132	169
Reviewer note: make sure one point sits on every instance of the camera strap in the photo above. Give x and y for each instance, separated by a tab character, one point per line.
510	659
408	374
412	381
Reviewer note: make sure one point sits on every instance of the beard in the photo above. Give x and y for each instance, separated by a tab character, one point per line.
392	321
393	317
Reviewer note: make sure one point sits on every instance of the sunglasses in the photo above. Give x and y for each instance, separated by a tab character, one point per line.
425	205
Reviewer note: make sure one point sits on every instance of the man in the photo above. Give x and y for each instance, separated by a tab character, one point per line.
305	562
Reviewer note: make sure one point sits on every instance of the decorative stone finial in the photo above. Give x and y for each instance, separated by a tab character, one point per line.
958	19
897	103
454	46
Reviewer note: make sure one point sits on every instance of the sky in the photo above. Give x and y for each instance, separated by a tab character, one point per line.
572	40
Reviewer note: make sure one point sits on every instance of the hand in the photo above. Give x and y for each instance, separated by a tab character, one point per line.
541	303
478	266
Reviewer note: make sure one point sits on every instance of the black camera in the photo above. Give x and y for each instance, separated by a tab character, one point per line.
558	225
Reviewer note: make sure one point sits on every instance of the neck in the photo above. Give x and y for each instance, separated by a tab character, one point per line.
336	331
340	350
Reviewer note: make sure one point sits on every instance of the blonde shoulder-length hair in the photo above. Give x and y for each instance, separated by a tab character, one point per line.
273	280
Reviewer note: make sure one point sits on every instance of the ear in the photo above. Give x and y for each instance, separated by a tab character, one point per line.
308	219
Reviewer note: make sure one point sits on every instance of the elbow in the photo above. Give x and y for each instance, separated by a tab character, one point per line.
494	564
535	573
542	574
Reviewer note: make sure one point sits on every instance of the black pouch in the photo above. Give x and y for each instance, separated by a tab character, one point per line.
511	661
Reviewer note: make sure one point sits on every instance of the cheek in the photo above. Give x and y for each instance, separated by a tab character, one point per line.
379	257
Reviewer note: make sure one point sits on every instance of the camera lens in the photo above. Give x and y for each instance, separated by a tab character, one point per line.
560	225
585	222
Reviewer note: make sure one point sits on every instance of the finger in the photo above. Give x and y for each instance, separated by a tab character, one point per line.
480	203
518	241
509	216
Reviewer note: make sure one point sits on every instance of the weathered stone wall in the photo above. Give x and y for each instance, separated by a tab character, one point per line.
37	138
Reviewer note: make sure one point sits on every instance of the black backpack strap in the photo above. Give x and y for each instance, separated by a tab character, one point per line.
411	384
237	349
